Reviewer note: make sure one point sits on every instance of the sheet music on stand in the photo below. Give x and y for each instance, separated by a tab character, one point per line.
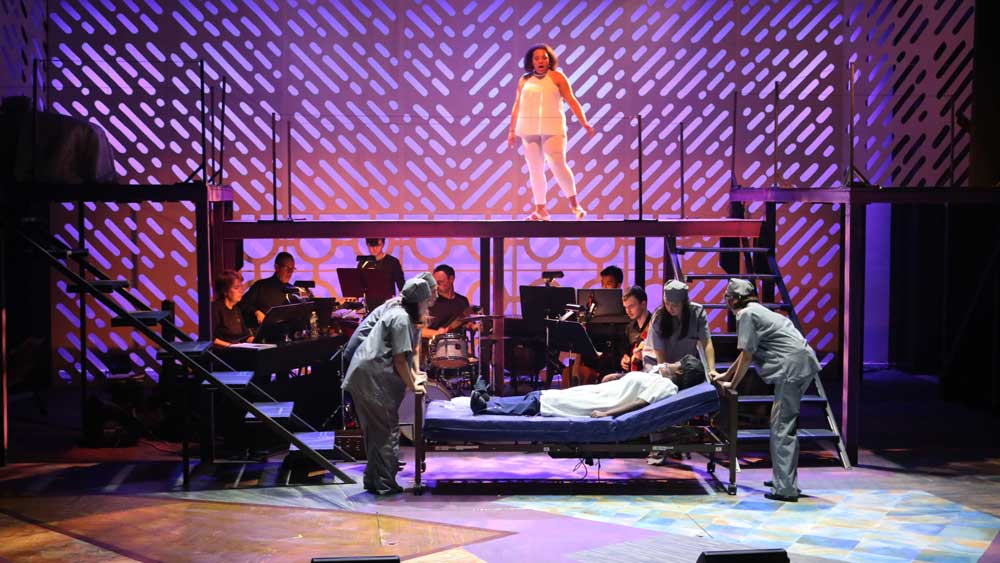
252	346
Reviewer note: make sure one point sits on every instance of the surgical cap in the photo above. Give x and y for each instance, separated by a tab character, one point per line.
416	290
428	278
675	291
740	288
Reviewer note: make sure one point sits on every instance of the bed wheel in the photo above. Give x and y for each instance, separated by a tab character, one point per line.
711	467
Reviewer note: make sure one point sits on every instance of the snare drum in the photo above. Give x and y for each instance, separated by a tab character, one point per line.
407	409
449	351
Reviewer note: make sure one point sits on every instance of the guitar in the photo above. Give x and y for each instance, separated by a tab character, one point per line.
635	357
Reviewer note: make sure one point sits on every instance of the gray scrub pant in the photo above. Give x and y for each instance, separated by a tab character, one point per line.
784	438
380	425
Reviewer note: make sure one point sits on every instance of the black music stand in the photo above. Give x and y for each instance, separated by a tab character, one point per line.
569	336
281	320
542	302
374	286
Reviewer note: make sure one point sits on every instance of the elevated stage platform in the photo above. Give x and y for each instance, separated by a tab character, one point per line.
491	235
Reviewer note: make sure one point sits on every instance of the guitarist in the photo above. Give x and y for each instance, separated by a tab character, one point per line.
635	301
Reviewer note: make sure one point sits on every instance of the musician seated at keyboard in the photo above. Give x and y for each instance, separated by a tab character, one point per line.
228	327
268	292
632	392
450	307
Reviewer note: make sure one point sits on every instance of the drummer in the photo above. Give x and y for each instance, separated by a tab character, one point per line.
448	312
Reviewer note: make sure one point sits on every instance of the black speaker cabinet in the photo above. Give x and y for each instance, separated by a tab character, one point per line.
745	556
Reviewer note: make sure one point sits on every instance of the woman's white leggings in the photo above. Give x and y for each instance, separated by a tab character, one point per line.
551	148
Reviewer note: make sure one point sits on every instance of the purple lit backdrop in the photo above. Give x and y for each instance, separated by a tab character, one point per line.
398	110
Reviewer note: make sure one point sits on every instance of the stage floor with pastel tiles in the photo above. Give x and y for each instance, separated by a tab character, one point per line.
902	504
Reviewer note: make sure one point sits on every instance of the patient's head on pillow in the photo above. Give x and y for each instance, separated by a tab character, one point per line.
691	373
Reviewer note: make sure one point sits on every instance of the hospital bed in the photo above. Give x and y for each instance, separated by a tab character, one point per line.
448	426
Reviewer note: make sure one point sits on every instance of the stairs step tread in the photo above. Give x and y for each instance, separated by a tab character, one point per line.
783	306
684	249
754	434
104	286
190	348
318	441
728	276
148	318
280	409
66	252
232	378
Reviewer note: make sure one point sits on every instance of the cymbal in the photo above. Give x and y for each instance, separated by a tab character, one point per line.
494	338
475	318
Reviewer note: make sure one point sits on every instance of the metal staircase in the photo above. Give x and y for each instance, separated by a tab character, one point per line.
194	357
759	266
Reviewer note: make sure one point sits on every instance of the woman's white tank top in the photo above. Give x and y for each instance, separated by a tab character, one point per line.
541	111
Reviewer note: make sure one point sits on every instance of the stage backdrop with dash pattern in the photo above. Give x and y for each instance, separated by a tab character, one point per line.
399	110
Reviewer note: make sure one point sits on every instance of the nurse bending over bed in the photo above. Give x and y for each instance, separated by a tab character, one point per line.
632	392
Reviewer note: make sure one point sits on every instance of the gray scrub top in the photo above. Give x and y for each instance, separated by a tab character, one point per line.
778	348
365	328
676	347
371	371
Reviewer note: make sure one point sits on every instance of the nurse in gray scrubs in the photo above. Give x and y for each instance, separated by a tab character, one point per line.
381	370
784	359
365	327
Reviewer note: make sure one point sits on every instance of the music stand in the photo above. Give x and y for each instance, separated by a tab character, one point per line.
283	319
374	286
569	336
541	302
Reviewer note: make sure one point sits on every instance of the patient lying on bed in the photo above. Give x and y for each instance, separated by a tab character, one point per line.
632	392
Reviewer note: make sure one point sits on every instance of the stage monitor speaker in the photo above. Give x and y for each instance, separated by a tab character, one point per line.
362	559
745	556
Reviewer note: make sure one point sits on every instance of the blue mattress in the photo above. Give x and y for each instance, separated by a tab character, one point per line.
448	422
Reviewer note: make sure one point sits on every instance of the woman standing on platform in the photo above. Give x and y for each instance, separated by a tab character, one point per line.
539	120
382	369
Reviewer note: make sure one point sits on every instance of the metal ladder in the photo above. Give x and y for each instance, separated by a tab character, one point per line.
762	268
191	354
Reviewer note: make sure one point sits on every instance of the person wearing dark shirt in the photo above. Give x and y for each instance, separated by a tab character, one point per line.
450	308
228	327
612	277
268	292
386	262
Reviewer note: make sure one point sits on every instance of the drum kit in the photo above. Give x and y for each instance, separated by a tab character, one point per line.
452	369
